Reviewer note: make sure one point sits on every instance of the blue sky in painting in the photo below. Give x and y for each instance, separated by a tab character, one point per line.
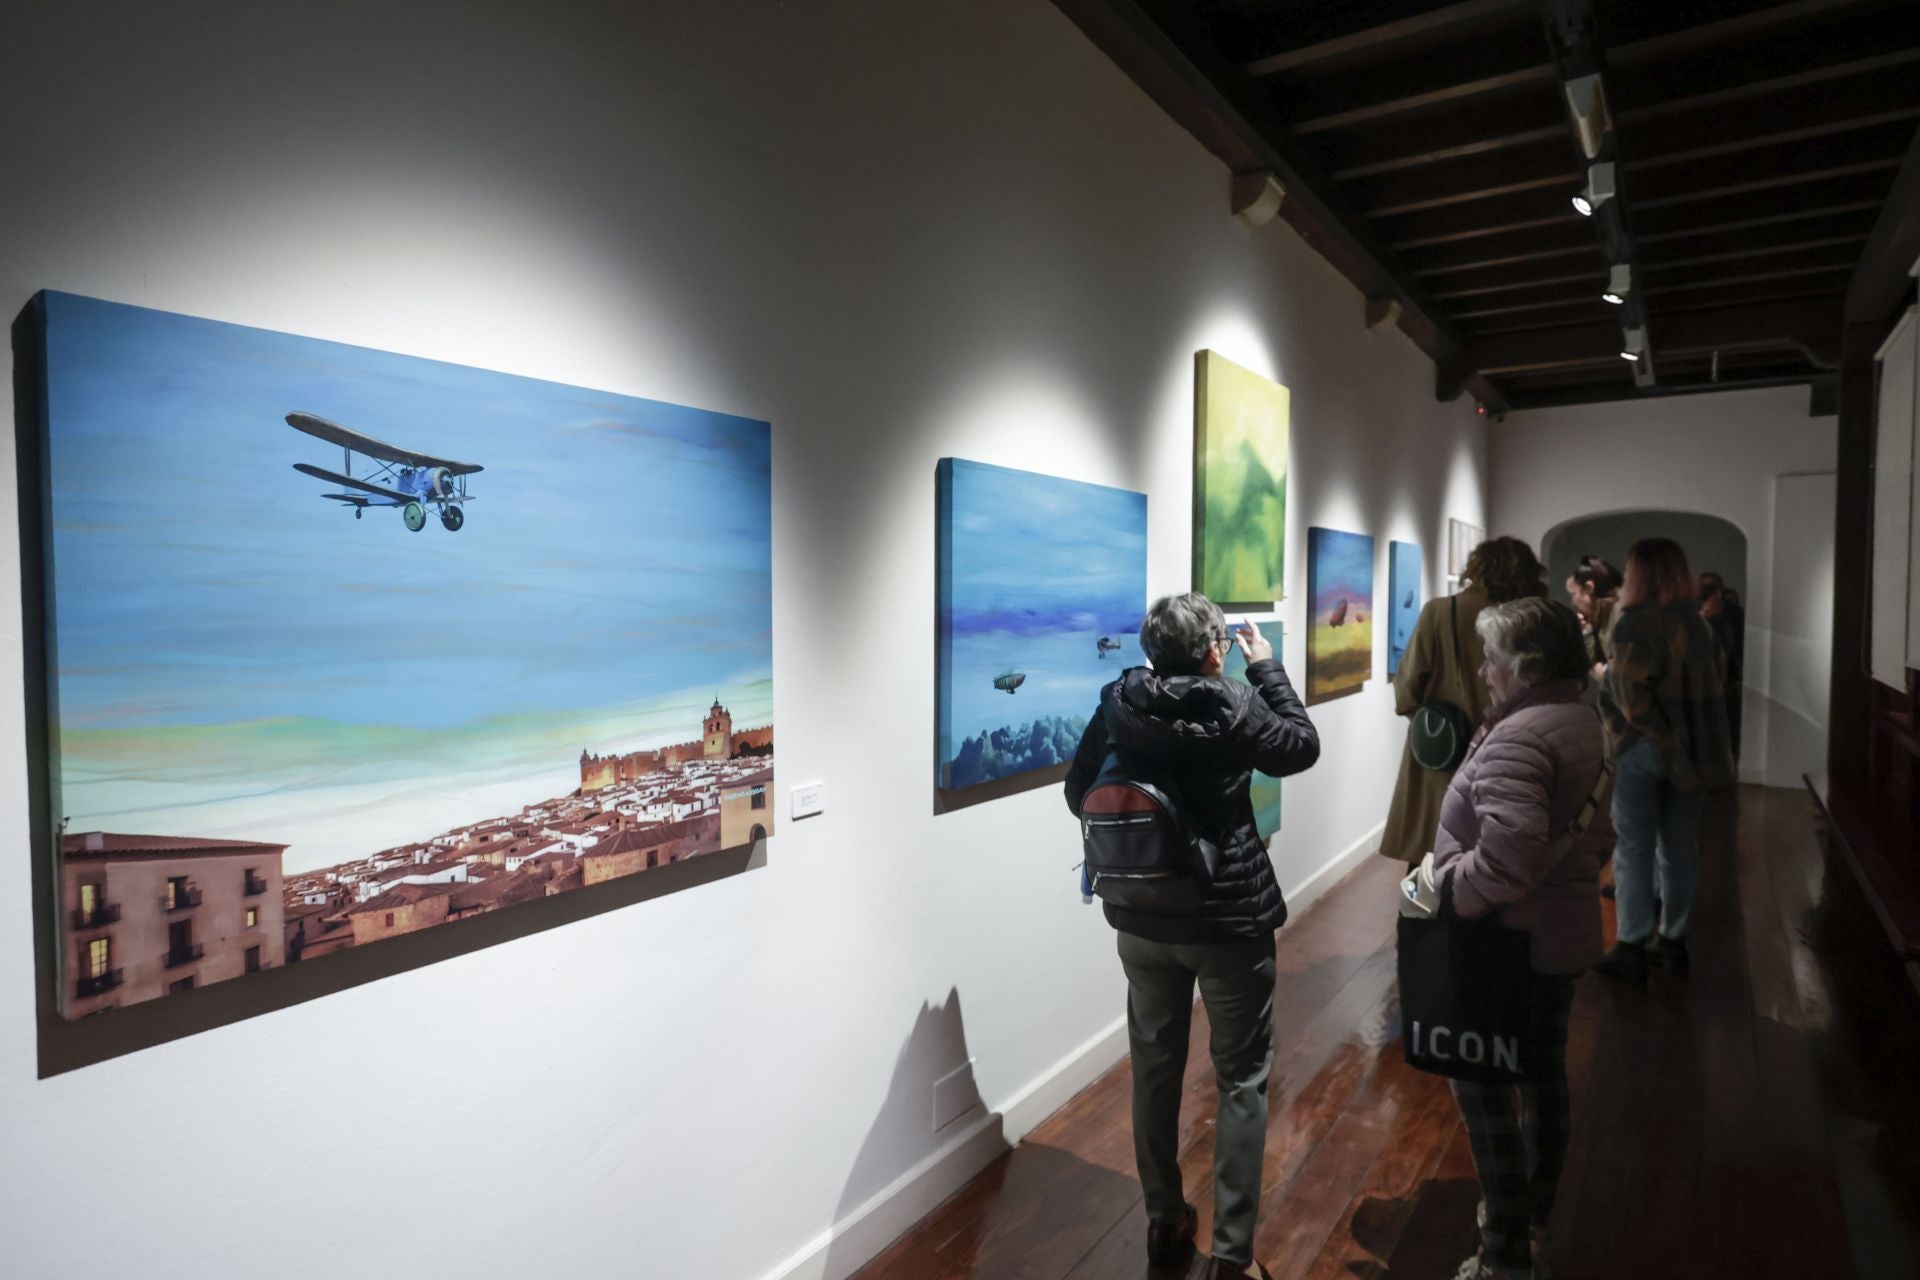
1342	565
1039	569
616	551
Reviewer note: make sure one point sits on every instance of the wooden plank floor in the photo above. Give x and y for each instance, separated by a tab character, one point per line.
1744	1122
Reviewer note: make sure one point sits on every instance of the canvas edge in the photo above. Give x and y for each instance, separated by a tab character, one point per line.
32	481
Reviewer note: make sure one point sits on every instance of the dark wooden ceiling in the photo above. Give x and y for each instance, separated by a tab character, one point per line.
1427	150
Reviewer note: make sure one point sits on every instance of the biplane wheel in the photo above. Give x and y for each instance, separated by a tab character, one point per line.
358	512
415	515
453	518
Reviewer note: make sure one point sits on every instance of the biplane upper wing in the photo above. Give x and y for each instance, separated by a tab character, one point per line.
334	433
334	477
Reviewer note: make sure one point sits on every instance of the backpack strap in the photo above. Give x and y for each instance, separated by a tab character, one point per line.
1589	809
1453	629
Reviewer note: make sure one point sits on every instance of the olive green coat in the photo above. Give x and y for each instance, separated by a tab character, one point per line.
1430	670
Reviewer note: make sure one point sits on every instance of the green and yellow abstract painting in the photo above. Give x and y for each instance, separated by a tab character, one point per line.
1240	423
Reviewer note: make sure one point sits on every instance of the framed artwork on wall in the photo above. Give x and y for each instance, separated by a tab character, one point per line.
1240	434
1262	788
1042	583
343	645
1340	617
1404	587
1462	538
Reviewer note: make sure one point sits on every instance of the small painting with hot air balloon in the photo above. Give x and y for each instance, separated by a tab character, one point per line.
1340	624
1403	600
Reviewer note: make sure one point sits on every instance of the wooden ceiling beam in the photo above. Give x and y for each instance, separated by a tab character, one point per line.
1655	267
1170	54
1784	273
1357	167
1880	280
1712	37
1542	244
1786	219
1377	111
1517	283
1587	301
1811	327
1765	178
1883	78
1422	28
1604	393
1546	164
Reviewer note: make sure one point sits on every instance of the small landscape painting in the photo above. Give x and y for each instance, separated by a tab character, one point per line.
1340	624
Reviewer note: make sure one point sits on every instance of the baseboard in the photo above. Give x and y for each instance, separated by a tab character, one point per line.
1333	871
861	1235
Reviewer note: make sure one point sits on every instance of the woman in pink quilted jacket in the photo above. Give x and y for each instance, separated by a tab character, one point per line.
1536	769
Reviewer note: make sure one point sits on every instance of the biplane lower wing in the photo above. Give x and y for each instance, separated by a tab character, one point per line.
334	477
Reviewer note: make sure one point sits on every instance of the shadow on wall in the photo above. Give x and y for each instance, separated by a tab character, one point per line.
935	1055
1034	1210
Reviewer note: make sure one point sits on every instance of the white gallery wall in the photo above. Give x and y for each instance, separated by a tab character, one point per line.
1753	458
898	232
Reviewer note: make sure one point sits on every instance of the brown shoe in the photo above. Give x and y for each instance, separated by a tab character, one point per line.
1227	1271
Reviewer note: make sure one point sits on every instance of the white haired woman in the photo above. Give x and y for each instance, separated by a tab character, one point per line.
1534	766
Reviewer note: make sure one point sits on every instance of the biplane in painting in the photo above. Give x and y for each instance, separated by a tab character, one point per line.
400	477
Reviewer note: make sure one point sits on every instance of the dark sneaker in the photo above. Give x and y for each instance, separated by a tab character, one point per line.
1627	962
1228	1271
1170	1242
1537	1238
1670	954
1478	1267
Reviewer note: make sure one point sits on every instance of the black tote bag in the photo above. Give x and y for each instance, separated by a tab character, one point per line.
1466	997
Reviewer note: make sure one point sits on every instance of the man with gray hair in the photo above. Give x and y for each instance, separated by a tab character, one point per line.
1205	734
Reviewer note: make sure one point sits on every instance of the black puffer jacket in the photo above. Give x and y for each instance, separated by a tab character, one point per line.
1212	732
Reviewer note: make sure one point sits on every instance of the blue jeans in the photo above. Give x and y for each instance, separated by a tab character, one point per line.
1658	826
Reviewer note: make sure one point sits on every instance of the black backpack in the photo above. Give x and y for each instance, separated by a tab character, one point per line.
1142	851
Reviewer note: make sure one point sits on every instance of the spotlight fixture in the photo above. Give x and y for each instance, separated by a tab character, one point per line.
1636	345
1619	283
1587	107
1599	189
1257	197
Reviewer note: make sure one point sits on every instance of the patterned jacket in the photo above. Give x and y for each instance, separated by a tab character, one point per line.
1665	685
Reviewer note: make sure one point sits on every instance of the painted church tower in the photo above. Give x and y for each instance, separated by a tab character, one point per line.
719	732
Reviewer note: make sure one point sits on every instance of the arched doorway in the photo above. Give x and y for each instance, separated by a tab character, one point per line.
1710	542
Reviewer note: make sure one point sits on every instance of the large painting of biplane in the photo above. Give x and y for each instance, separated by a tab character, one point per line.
345	645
